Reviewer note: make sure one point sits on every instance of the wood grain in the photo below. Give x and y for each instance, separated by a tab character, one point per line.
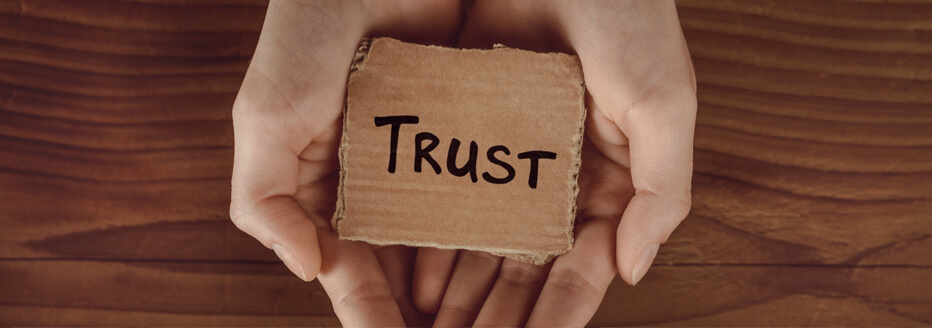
812	187
226	293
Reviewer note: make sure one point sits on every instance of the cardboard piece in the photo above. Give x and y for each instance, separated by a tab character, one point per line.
513	121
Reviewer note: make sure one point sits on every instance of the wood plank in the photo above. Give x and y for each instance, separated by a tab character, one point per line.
737	295
58	317
213	288
180	16
61	292
65	35
812	187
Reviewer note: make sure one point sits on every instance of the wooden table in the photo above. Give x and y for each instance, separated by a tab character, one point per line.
812	190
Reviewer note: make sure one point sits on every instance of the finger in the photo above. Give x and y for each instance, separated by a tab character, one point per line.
513	296
264	180
418	21
661	154
660	134
472	278
398	264
356	284
578	280
514	23
351	275
432	271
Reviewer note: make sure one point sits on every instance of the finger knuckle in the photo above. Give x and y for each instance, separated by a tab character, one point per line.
666	108
571	281
682	204
365	294
477	256
461	310
236	212
678	203
242	106
519	277
275	209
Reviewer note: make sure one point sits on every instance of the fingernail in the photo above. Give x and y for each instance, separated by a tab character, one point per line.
643	263
290	261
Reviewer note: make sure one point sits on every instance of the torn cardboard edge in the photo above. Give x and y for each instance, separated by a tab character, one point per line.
537	258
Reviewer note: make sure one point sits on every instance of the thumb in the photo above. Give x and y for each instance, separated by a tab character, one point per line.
262	205
647	223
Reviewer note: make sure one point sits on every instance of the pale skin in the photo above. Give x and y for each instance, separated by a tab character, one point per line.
634	182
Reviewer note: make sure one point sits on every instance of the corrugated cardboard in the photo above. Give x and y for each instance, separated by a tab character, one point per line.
506	108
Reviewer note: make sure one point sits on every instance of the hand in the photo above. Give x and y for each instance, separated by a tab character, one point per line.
287	124
636	167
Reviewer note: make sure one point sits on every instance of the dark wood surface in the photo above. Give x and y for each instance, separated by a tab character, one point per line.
812	191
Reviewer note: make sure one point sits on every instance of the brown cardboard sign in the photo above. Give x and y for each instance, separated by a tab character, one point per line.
461	149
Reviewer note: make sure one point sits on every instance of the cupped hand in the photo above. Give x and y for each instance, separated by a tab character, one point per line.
287	124
636	168
637	159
